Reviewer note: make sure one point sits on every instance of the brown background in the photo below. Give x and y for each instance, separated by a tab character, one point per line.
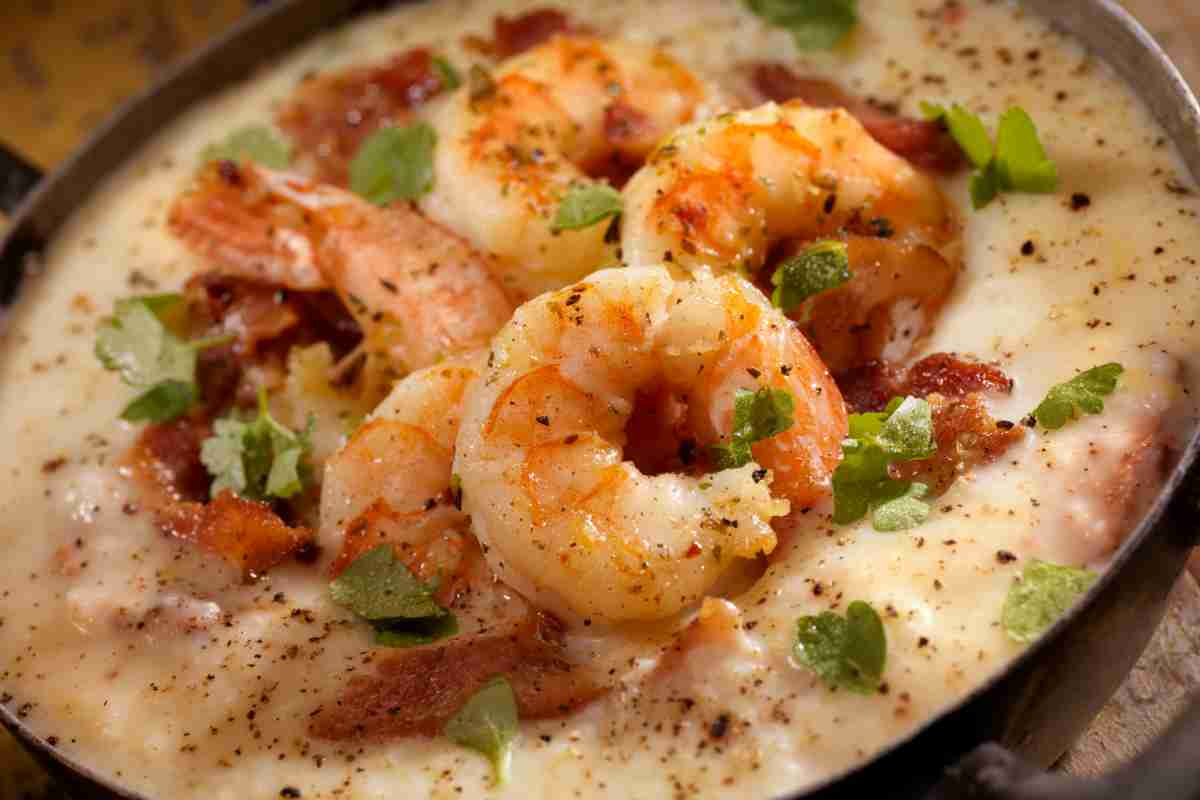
66	64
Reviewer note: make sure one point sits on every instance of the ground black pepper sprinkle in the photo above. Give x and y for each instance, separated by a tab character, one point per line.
1005	557
1080	201
1027	248
719	727
290	791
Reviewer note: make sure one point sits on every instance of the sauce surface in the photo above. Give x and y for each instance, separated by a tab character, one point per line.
116	640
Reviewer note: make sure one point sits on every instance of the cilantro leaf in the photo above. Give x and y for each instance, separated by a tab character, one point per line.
256	143
814	24
447	74
258	458
394	164
824	265
586	204
1045	592
488	724
136	342
861	482
847	652
1083	392
401	608
1017	162
756	416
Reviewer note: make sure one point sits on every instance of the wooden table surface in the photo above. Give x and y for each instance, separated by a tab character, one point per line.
116	46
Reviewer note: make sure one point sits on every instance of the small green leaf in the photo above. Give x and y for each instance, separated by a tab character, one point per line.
259	458
1021	160
985	186
162	402
814	24
907	433
394	164
756	416
447	74
586	204
966	129
902	512
822	266
1083	392
487	724
846	652
378	587
415	632
256	143
1045	592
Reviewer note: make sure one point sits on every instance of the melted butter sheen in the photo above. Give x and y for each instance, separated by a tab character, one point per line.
192	685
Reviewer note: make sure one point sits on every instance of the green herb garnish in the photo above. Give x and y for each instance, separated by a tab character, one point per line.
847	652
394	164
447	74
586	204
1016	163
488	724
756	416
823	265
861	483
259	458
256	143
1082	393
402	610
814	24
1045	592
137	342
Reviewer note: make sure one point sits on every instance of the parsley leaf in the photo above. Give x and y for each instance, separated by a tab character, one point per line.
814	24
488	724
847	652
1017	162
1083	392
861	483
756	416
401	608
1045	592
136	342
586	204
823	265
394	164
258	458
256	143
447	74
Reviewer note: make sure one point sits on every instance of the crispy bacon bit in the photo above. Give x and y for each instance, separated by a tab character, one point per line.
246	534
416	691
922	142
514	35
165	460
869	388
966	435
329	116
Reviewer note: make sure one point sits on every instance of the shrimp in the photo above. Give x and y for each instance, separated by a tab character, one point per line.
509	150
726	193
563	516
417	289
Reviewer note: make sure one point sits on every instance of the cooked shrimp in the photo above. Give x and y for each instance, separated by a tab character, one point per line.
509	151
417	289
561	513
725	193
391	480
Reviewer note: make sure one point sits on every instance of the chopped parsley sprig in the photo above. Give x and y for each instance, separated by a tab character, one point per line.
821	266
1043	594
137	343
258	459
1084	392
256	143
847	652
394	164
487	724
861	482
814	24
586	204
1017	162
756	416
402	610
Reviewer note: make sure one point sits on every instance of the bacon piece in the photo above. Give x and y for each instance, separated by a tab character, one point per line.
165	460
248	535
924	143
966	435
329	116
416	691
514	35
870	387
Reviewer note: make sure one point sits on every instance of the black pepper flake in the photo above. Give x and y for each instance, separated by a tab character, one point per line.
543	420
1005	557
882	227
1029	421
290	791
1027	248
53	465
573	299
758	475
391	287
571	439
1005	424
923	641
612	234
1080	201
830	203
754	373
720	727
